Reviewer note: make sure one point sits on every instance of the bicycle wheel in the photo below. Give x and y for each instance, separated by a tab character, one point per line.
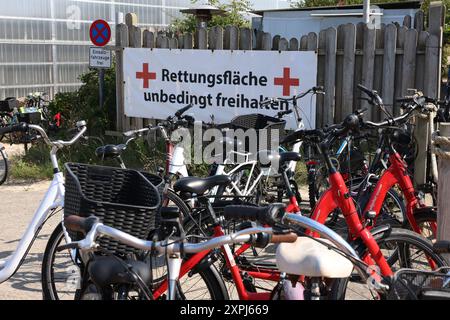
4	165
61	273
246	183
402	249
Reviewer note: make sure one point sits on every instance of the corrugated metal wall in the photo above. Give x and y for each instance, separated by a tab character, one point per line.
44	44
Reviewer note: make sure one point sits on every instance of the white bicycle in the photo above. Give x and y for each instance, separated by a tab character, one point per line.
51	204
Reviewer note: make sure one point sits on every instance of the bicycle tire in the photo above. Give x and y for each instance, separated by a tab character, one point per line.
4	166
340	286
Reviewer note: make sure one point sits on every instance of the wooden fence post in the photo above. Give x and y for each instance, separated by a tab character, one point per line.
135	37
368	65
330	75
390	45
121	42
443	219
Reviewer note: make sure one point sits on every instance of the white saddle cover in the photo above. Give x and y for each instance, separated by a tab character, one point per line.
312	259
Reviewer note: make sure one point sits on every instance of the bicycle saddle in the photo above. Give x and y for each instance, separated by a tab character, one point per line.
312	259
199	186
110	151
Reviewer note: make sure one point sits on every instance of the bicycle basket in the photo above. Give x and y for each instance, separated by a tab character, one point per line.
122	198
409	284
8	104
259	121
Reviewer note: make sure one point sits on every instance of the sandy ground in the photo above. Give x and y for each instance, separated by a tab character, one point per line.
18	203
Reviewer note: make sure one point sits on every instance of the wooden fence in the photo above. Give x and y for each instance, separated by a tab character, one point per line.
390	59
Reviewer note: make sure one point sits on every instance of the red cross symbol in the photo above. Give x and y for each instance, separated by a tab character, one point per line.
286	81
145	75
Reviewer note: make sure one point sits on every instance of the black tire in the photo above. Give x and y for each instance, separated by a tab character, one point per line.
4	165
424	219
395	236
210	276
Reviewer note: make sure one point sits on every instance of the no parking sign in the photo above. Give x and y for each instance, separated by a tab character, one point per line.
100	33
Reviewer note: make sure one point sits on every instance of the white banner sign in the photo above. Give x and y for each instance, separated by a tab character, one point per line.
220	84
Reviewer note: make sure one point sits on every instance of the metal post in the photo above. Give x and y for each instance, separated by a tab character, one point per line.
101	85
366	11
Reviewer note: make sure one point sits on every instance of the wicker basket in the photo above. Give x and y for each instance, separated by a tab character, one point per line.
122	198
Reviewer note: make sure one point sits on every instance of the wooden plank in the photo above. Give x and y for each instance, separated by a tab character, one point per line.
122	123
348	68
131	19
378	67
432	67
304	43
358	65
135	34
312	41
420	60
245	39
407	21
436	19
401	34
215	38
330	75
266	42
173	43
283	44
320	80
259	38
409	61
388	83
443	218
419	21
162	41
148	39
231	38
201	38
188	41
368	65
293	44
338	116
275	41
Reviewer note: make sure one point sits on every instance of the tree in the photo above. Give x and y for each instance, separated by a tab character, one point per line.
234	15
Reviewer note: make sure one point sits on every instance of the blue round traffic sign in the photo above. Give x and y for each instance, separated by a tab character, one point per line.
100	33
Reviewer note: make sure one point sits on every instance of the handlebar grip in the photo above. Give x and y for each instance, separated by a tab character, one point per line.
183	110
442	246
269	215
282	113
288	237
365	90
20	127
80	224
318	89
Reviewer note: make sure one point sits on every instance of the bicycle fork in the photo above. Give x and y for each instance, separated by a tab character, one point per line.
173	271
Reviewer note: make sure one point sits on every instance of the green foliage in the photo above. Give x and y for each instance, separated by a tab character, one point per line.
83	104
233	16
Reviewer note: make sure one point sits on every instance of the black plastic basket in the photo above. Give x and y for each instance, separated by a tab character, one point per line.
409	284
259	121
30	117
122	198
8	104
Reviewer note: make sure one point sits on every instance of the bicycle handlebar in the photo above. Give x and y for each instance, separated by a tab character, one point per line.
23	127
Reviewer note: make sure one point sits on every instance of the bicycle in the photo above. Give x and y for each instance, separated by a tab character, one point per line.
4	164
280	227
338	196
51	204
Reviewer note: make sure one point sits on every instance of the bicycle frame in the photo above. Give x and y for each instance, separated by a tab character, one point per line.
53	199
396	174
338	196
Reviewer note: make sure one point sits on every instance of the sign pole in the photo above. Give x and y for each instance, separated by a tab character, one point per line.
101	85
